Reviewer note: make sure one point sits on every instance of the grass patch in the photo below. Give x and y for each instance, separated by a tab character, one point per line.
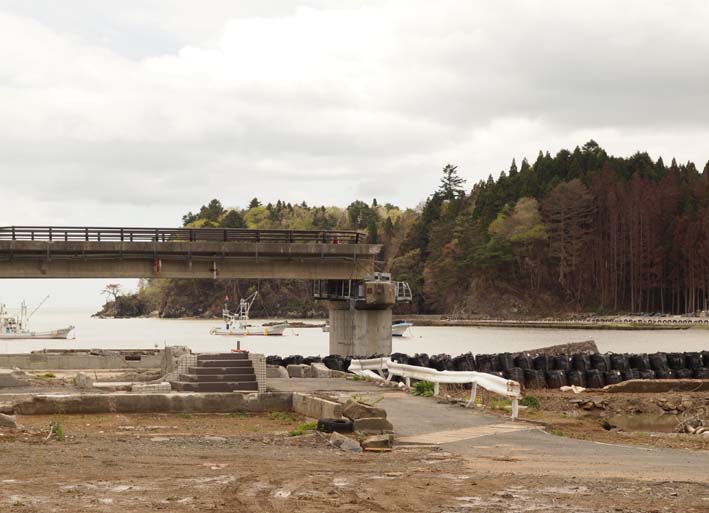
184	415
47	375
282	416
57	431
500	404
303	428
423	388
555	431
355	377
236	415
531	401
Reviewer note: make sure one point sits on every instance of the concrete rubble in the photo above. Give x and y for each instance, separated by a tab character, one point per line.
319	370
8	421
13	378
354	410
298	371
372	426
378	442
83	380
344	443
276	372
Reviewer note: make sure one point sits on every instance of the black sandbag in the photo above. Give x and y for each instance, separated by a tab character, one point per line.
505	361
600	362
664	373
628	374
619	362
311	359
274	360
464	362
534	378
594	379
705	358
294	359
658	361
561	362
684	373
613	377
484	363
580	362
543	362
333	362
647	374
693	361
639	361
675	360
574	377
440	362
420	360
556	379
523	361
515	374
702	373
399	357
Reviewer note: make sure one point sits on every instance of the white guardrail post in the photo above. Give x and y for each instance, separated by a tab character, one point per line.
505	387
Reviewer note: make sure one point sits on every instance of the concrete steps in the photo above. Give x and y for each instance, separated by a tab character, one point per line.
225	372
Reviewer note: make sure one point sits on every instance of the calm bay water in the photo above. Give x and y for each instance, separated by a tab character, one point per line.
149	333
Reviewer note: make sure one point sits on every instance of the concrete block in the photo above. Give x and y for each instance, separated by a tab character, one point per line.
151	387
276	371
372	426
344	443
299	371
378	442
82	380
316	407
13	378
8	421
319	370
354	410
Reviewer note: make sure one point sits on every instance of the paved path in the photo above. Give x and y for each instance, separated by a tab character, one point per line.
494	442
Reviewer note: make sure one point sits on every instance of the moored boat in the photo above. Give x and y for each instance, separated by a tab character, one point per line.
399	328
236	325
17	328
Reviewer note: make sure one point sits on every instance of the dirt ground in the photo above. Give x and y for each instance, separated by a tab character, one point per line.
245	463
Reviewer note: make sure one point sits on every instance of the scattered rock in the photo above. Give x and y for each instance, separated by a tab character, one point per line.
344	443
298	371
378	442
354	410
8	421
372	426
82	380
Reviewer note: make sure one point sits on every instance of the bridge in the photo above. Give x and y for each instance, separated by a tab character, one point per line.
357	327
92	252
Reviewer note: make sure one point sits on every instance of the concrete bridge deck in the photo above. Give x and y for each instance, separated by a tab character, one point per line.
82	252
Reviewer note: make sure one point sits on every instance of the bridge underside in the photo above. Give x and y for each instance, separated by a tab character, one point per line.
71	259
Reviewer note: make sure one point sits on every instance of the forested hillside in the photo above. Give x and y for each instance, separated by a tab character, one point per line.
579	231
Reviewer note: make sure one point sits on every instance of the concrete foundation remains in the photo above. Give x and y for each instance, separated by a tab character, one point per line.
85	359
13	378
356	331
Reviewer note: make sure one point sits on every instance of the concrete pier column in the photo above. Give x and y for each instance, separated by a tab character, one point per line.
359	332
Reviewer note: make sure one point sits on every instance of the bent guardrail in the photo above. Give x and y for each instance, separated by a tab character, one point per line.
495	384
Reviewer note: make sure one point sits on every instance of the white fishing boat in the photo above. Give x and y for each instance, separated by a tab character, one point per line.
399	328
17	328
236	324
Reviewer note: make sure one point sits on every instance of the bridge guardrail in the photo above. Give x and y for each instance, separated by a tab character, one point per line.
118	234
505	387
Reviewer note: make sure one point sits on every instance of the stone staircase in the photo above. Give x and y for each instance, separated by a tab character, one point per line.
226	372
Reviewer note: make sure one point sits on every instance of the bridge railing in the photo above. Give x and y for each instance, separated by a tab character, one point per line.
112	234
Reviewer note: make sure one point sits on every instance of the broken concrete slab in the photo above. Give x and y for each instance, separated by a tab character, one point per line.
13	378
344	443
83	380
378	442
276	372
298	371
316	407
354	410
8	421
372	426
319	370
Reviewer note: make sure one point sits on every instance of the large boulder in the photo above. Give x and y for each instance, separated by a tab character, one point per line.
8	421
13	378
354	410
372	426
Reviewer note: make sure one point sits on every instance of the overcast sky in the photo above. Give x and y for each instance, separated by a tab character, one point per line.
133	112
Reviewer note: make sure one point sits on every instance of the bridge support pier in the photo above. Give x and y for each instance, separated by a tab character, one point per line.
359	332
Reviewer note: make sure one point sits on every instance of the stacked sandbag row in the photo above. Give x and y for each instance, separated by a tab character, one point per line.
554	371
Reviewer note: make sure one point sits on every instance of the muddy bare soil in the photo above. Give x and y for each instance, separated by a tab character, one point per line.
237	463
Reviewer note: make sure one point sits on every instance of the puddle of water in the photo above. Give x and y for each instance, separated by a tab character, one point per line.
648	422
